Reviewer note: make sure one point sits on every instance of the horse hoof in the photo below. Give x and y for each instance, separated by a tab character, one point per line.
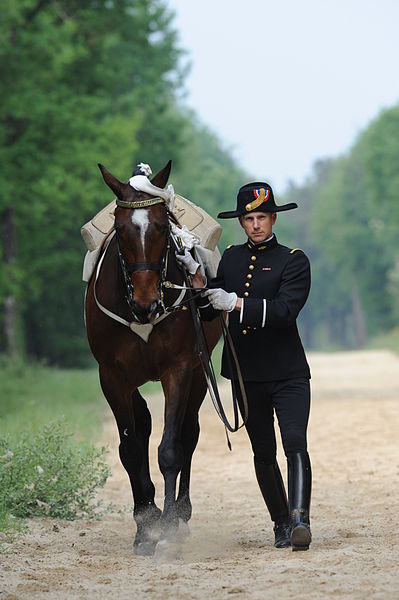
183	533
144	548
161	550
166	550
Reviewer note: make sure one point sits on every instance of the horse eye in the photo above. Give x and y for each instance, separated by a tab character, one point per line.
163	228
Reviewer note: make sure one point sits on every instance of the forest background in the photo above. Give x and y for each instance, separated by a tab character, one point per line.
103	81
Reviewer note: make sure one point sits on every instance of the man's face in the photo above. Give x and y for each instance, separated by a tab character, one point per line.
258	225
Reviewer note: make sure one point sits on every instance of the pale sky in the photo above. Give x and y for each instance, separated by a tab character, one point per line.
287	82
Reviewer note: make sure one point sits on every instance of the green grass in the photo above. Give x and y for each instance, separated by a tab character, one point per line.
50	429
387	341
31	396
48	473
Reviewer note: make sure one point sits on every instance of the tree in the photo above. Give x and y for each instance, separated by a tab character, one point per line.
378	151
82	83
85	82
298	231
351	233
208	175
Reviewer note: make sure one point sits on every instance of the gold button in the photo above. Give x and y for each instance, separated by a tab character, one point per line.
247	284
246	294
249	276
253	257
251	267
244	332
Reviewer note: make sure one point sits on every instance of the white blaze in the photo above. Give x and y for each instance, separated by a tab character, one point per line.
140	218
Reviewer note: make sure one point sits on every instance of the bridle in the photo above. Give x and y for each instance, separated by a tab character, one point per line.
161	267
129	268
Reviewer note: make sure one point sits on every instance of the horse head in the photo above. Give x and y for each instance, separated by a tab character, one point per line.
142	233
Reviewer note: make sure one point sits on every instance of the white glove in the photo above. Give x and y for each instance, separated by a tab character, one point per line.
187	260
222	300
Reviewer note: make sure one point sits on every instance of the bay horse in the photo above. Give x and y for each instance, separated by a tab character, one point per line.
129	283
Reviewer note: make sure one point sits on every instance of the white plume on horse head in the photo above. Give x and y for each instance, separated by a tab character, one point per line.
145	168
141	183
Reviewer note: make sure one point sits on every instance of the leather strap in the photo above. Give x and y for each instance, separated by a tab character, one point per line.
142	266
139	203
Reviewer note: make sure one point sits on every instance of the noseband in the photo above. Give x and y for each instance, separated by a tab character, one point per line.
143	266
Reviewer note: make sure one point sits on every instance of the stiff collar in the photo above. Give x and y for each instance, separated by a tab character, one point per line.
260	246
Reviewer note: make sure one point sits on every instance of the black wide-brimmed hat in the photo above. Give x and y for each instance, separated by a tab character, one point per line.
257	196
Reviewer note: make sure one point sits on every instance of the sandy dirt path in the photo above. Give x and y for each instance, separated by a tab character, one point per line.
353	441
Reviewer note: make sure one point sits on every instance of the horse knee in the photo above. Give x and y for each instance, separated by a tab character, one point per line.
190	435
143	420
170	457
130	454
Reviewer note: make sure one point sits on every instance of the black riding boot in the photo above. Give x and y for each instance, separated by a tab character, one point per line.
299	491
273	492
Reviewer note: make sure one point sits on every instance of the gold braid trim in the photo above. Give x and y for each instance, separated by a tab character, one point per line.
139	203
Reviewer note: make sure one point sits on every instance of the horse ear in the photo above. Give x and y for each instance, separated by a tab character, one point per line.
112	182
161	178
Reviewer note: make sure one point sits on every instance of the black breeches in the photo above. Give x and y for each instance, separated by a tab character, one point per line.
290	400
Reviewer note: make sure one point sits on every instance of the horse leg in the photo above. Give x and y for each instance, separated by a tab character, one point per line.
134	430
146	514
176	387
189	437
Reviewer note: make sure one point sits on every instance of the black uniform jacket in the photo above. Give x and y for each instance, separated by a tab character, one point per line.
274	283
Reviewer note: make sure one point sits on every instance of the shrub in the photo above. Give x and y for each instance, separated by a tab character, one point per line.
49	475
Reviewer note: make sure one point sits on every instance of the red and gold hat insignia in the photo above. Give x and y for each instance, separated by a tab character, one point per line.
261	195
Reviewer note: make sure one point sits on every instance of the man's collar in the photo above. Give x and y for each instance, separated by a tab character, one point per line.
268	244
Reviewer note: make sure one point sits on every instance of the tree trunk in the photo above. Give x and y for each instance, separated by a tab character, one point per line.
9	258
358	316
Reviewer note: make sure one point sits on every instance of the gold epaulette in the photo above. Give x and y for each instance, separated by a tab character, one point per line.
229	246
295	249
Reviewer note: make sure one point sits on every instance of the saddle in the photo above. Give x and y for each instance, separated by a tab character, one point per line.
199	223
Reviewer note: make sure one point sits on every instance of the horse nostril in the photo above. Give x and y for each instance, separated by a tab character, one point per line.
148	313
141	313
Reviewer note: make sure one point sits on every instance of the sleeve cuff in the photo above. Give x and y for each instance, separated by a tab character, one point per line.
254	312
264	313
205	305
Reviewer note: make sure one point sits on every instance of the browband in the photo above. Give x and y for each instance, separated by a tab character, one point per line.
139	203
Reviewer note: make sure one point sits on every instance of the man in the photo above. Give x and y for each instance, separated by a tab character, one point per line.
264	285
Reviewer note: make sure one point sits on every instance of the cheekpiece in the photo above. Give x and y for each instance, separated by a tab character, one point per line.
256	196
